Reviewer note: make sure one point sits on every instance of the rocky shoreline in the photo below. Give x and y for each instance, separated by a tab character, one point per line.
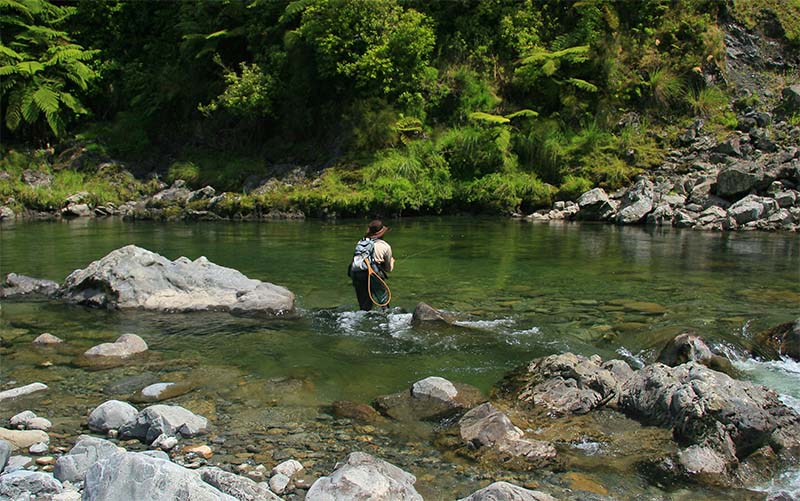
705	426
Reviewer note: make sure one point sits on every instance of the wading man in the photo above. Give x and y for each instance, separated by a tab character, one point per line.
372	260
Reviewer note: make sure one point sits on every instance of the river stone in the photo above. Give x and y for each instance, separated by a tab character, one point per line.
39	448
18	463
6	213
72	467
167	419
637	202
428	400
363	476
434	387
24	484
21	391
751	208
175	194
162	391
707	408
77	210
47	339
125	346
425	314
130	475
132	277
111	415
20	285
738	179
783	339
685	347
356	410
22	439
595	205
130	384
5	453
279	482
504	491
241	488
164	442
289	468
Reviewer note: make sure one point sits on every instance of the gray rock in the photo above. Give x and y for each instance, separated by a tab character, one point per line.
786	198
424	314
572	384
47	339
167	419
125	346
363	476
504	491
279	482
37	179
6	213
661	216
738	179
16	463
289	468
29	421
157	392
111	415
685	347
205	193
636	203
20	285
752	208
5	453
22	439
24	484
761	139
431	398
595	205
777	341
164	442
72	467
128	475
434	387
39	448
485	427
239	487
132	277
731	147
77	210
683	219
177	194
791	97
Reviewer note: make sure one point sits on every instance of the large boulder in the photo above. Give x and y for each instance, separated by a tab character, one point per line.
130	475
739	179
20	285
685	347
22	439
752	208
132	277
5	453
712	416
503	491
72	467
125	346
111	415
425	314
637	202
363	476
791	97
567	384
25	484
781	340
160	419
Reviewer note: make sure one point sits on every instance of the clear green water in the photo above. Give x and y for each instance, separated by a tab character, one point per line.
526	290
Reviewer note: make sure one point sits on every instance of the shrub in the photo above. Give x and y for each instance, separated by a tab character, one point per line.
573	187
187	171
506	192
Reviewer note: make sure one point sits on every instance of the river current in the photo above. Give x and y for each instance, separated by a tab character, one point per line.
525	290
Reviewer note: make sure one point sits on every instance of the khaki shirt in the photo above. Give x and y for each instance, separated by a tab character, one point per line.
383	255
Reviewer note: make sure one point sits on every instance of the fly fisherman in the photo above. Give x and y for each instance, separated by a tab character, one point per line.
372	260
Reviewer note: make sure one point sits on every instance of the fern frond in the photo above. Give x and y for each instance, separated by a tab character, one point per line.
8	69
29	67
30	112
55	122
487	117
46	99
72	103
16	6
37	33
9	52
14	110
522	113
293	9
582	84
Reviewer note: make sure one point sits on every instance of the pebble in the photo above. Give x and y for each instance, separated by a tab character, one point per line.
200	450
278	483
39	448
45	460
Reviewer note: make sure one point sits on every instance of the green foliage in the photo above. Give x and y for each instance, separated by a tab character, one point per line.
472	152
666	87
186	171
248	94
506	192
42	69
573	186
786	12
708	101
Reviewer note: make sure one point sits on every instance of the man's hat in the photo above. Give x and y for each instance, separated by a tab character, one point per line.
376	229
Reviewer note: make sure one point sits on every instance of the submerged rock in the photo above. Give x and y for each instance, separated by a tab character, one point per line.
425	314
132	277
21	391
362	476
125	346
783	339
20	285
504	491
47	339
162	391
430	398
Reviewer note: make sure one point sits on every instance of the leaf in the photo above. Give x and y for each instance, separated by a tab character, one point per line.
46	99
217	34
72	103
30	67
582	84
293	9
17	6
522	113
7	51
8	69
486	117
14	110
55	122
30	112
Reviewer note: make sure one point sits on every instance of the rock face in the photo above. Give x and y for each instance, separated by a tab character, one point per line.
780	340
503	491
164	419
573	384
125	346
363	476
72	467
111	415
132	277
20	285
720	421
130	475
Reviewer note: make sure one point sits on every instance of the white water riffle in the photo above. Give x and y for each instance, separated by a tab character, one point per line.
784	377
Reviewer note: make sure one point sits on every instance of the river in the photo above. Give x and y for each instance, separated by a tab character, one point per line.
526	290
